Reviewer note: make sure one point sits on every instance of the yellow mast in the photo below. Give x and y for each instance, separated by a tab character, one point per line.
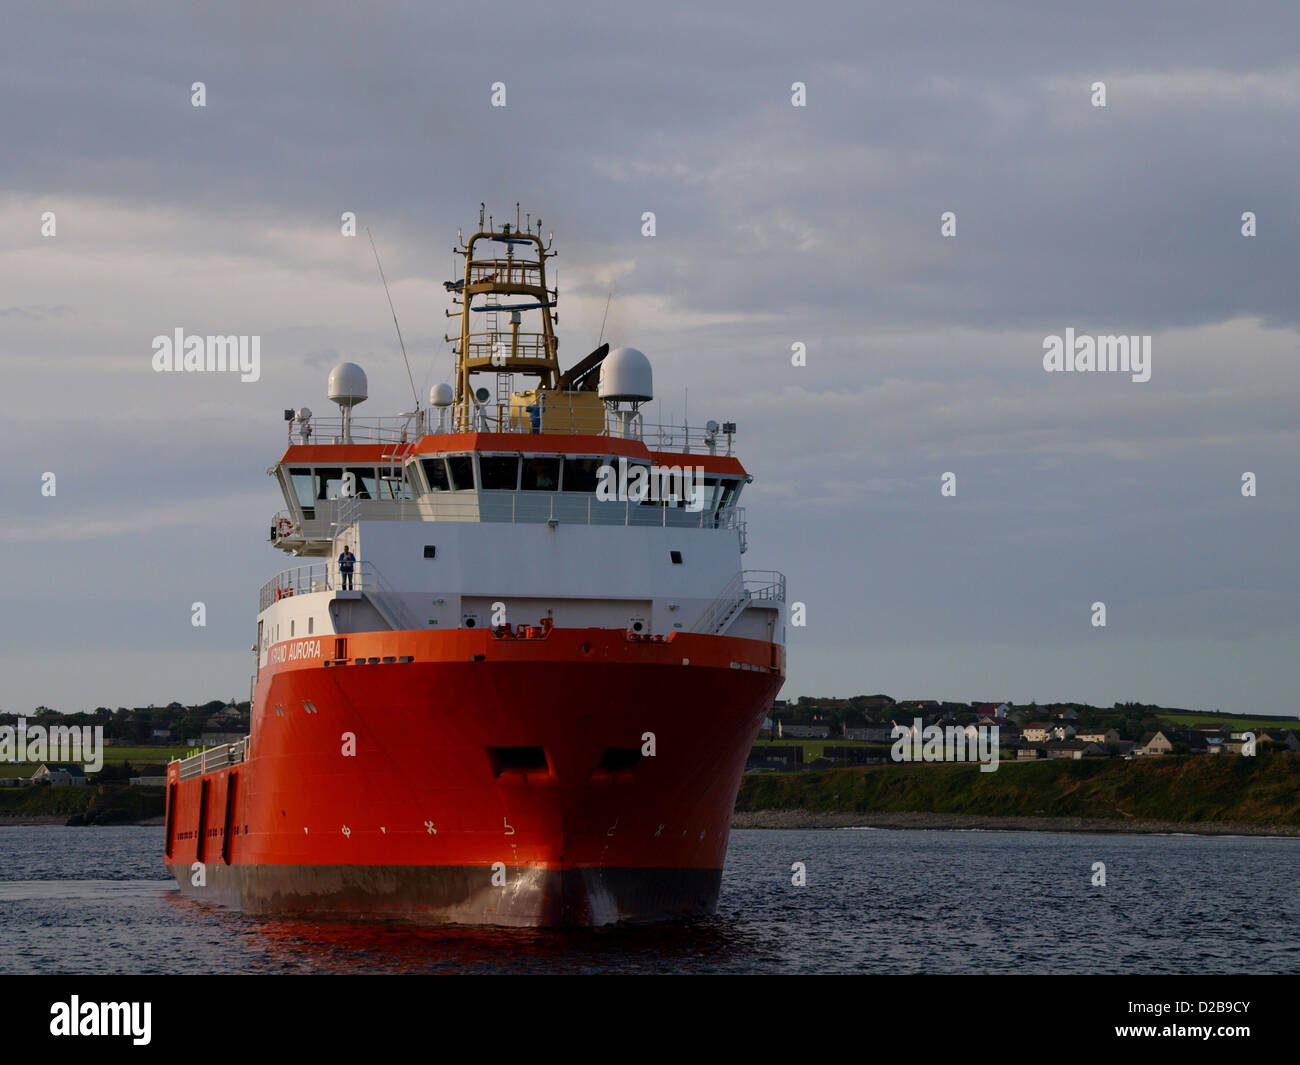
490	349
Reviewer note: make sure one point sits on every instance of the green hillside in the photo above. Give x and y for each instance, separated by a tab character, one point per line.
1261	790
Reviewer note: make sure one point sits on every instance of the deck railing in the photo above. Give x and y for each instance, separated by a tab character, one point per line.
677	439
327	577
525	508
214	758
765	584
762	586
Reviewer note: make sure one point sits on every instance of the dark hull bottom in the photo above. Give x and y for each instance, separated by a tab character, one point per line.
532	896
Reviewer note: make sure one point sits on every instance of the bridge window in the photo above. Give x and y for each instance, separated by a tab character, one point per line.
435	471
461	469
647	488
499	472
304	489
710	491
365	481
394	486
329	482
730	488
580	474
541	474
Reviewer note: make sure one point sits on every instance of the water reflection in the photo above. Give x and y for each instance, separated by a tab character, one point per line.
290	944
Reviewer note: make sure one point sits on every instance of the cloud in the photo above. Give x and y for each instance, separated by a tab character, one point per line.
776	225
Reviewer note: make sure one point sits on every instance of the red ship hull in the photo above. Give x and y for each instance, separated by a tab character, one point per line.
576	778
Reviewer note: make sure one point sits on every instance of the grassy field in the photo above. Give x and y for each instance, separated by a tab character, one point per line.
812	749
1238	723
1262	790
137	756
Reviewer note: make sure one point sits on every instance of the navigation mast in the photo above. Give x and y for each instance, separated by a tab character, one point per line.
494	346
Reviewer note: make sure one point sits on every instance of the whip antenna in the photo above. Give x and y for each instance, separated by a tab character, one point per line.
603	317
395	325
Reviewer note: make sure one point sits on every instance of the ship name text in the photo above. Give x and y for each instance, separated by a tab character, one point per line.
291	652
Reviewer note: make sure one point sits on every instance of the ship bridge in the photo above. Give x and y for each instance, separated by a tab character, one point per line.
546	496
572	449
672	477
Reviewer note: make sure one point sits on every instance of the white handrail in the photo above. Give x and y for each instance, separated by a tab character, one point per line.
680	439
746	587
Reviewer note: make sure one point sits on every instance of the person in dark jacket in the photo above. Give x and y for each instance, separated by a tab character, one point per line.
347	560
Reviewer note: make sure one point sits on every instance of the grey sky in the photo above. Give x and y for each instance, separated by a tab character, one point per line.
775	224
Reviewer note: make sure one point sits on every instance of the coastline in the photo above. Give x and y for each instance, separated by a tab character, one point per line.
917	820
807	819
23	820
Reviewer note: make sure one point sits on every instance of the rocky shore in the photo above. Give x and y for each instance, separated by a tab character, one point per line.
814	819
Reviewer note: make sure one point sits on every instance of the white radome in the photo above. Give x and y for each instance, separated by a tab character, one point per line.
347	386
441	395
625	375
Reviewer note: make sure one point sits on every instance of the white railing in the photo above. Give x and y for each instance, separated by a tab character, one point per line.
765	587
676	439
326	577
349	509
385	597
298	580
518	508
397	430
765	584
214	758
723	607
735	519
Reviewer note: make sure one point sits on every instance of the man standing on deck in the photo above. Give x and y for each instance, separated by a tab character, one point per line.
346	561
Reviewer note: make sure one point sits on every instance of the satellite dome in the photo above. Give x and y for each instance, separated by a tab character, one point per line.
625	375
441	395
347	385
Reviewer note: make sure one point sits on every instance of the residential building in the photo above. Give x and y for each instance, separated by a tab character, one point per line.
994	711
1102	736
869	733
216	739
60	774
802	732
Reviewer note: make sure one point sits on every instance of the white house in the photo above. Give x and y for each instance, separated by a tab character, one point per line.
60	774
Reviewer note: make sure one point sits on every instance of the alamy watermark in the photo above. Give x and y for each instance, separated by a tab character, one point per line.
639	483
210	354
58	743
1079	354
79	1018
951	743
